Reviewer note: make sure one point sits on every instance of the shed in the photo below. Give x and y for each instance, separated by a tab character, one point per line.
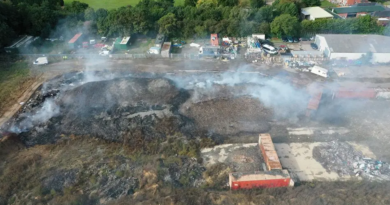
313	13
353	11
75	41
122	43
21	43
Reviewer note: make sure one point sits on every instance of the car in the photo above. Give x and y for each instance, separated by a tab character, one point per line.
314	46
290	39
284	39
304	39
296	40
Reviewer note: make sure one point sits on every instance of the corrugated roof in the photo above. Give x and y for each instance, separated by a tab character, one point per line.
356	43
75	37
316	12
381	14
358	9
125	40
265	175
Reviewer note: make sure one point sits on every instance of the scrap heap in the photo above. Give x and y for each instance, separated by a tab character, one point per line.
341	157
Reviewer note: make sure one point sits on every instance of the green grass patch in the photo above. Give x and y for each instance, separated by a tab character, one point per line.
113	4
14	78
327	4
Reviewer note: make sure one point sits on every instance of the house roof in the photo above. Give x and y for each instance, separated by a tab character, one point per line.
358	9
357	43
381	14
316	12
75	37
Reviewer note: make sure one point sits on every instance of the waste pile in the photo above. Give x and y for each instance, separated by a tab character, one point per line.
341	158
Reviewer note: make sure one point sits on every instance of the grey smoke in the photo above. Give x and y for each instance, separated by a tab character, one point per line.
48	110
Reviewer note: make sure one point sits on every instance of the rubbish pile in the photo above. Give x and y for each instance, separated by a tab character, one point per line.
341	158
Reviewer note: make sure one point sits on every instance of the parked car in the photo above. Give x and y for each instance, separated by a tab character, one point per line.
314	46
296	40
304	39
284	39
290	39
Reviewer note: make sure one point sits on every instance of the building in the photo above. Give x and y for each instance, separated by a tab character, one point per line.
75	41
354	46
159	41
382	16
214	41
313	13
20	44
356	11
272	176
348	2
122	43
166	49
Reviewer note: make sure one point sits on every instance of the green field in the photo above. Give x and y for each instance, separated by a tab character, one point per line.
113	4
327	4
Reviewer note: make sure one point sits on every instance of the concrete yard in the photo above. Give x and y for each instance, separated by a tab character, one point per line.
298	159
240	157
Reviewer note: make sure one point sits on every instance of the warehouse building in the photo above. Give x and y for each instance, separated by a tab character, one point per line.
354	46
313	13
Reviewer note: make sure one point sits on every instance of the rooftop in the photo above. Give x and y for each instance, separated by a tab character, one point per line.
316	12
380	14
125	40
357	43
75	38
358	9
260	175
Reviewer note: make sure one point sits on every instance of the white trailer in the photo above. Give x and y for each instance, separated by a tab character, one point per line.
319	71
41	61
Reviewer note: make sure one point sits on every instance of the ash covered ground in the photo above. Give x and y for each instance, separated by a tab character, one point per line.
119	106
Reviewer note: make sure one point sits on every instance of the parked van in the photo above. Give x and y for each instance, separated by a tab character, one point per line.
41	61
269	49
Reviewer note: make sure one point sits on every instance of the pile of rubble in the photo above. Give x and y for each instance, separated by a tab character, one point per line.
341	157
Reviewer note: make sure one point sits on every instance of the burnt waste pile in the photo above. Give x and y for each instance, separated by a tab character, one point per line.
114	108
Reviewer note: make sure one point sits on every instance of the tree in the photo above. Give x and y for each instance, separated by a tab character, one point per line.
287	8
227	2
190	2
308	3
285	24
257	3
168	24
265	28
265	13
89	14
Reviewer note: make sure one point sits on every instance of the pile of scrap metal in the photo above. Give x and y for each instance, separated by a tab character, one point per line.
341	158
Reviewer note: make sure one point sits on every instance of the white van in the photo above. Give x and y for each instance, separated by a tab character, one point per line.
269	49
319	71
41	61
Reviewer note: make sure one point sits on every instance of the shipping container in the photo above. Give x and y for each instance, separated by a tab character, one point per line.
122	43
355	93
268	151
166	49
267	179
214	41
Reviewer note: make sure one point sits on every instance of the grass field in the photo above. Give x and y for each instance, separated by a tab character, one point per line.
327	4
14	79
113	4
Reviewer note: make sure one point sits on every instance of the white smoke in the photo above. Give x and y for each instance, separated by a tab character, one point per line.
48	110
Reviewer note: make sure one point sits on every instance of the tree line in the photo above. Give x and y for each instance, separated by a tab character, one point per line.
197	18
